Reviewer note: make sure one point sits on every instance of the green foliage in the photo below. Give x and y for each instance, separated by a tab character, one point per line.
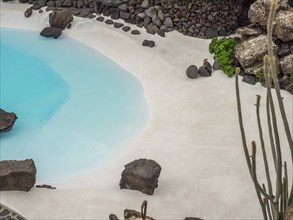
260	75
223	49
291	77
189	5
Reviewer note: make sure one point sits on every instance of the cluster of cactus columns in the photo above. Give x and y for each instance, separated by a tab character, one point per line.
274	197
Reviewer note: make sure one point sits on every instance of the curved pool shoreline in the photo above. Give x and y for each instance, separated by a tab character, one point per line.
100	110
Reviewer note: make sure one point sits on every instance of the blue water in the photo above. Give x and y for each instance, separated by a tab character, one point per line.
75	107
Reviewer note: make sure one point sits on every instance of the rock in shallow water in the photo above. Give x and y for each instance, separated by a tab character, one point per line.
51	32
7	120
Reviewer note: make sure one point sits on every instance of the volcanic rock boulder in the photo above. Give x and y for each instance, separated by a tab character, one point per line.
118	25
141	175
135	32
250	53
206	69
126	28
286	64
113	217
216	65
249	31
17	175
28	12
192	72
250	79
148	43
51	32
259	10
283	28
60	18
7	120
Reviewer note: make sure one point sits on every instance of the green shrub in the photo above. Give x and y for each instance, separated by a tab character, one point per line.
223	49
260	75
291	77
189	5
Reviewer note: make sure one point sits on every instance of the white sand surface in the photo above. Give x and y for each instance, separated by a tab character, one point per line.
193	133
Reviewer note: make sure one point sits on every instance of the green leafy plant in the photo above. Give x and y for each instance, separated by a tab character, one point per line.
291	77
260	75
189	5
223	49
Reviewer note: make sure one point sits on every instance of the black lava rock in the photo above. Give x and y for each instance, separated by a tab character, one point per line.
148	43
135	32
126	28
192	72
141	175
109	22
118	25
250	79
51	32
100	19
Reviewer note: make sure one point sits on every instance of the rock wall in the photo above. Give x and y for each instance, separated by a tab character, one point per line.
196	18
205	18
253	44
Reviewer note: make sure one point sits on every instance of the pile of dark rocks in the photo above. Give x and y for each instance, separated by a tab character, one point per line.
203	19
59	19
205	70
143	13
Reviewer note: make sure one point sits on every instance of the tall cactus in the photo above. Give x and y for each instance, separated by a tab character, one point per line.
273	201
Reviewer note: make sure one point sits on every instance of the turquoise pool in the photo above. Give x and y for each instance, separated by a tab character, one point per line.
76	108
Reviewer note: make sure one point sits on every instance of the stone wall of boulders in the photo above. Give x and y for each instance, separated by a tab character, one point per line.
205	18
253	44
197	18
